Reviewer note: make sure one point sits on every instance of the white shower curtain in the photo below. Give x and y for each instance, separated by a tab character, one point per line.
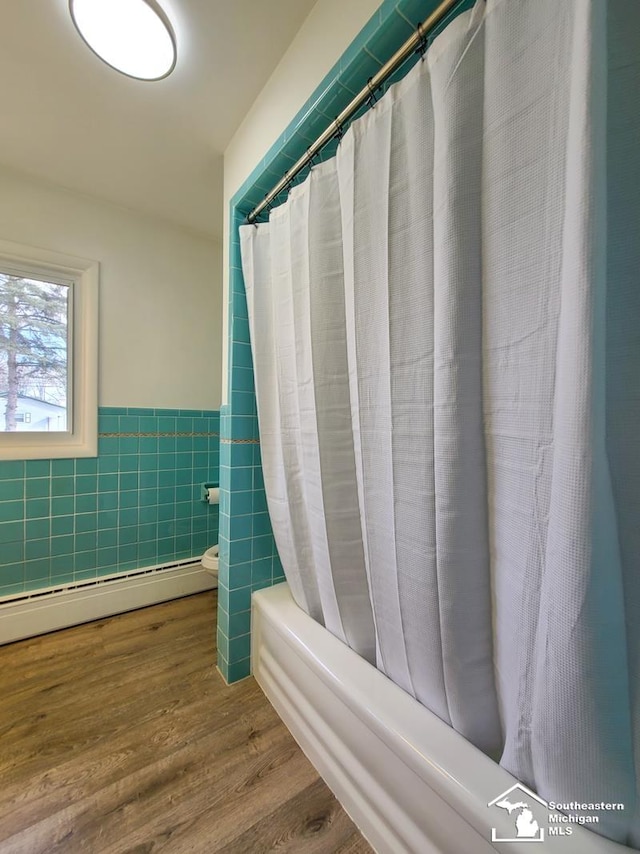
438	382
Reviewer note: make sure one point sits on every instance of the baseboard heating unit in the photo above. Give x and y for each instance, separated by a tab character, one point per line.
37	612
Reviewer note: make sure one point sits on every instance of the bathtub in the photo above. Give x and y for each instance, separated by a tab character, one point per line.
408	781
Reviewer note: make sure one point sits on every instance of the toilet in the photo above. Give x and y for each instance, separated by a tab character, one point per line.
209	561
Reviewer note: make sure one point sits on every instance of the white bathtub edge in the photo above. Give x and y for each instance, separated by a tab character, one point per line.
410	782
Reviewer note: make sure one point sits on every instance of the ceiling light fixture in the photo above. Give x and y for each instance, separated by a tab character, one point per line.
132	36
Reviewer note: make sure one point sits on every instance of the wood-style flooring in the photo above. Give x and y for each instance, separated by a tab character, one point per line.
120	736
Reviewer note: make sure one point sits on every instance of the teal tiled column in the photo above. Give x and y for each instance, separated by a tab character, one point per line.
248	558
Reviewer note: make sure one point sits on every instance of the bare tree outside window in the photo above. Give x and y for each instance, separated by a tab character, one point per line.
33	354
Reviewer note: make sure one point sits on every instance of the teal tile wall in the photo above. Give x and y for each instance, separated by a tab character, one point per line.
248	556
136	504
249	559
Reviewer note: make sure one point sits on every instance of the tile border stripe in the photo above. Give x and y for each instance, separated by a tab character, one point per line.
153	435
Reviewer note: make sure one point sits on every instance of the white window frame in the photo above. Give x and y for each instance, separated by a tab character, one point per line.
83	276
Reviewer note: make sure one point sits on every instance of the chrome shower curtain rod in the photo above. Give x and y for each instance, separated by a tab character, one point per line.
335	128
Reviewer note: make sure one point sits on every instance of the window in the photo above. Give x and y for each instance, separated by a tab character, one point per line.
34	353
48	354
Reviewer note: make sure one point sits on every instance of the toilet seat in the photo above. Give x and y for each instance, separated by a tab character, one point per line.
210	559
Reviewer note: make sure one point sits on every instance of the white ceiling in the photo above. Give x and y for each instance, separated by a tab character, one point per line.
155	147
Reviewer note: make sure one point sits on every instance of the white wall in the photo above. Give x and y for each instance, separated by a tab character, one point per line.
160	292
326	33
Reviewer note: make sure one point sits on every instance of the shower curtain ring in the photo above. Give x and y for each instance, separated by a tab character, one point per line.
311	157
254	220
371	101
268	204
423	44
